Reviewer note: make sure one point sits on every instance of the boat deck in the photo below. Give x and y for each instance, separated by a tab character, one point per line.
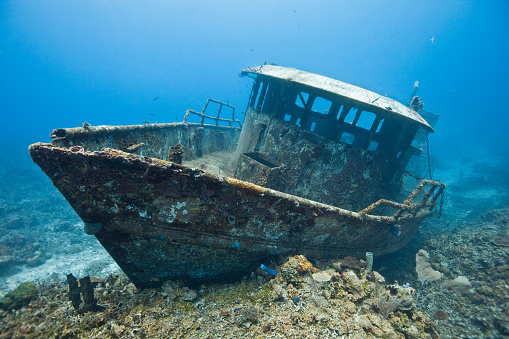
216	162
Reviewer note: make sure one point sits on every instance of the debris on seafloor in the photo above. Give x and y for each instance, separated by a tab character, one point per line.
269	270
303	301
84	287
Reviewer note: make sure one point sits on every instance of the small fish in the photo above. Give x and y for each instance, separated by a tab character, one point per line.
156	98
145	122
433	40
252	49
294	11
152	114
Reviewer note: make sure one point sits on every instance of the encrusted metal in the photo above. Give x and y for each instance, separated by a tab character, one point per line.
337	87
289	182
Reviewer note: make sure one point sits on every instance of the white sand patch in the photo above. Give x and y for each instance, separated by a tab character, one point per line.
93	261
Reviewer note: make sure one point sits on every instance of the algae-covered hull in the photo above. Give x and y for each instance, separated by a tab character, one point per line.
160	220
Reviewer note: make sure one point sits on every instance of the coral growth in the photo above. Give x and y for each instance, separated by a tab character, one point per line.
352	263
22	295
302	301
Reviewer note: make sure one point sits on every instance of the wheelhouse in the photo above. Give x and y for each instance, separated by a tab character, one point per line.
335	110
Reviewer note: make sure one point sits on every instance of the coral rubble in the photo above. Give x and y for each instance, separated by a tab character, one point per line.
303	301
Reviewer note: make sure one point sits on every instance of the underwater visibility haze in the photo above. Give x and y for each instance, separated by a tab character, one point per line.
122	63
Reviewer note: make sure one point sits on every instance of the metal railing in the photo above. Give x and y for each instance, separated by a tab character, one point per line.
217	119
428	202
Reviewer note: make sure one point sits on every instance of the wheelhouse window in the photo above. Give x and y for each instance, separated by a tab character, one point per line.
336	118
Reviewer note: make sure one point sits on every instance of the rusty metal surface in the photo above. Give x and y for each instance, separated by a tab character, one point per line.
197	139
216	119
316	167
295	190
160	220
368	98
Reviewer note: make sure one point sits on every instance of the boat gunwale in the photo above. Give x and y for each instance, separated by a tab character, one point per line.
83	132
416	209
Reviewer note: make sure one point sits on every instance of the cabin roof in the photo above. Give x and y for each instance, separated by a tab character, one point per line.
320	82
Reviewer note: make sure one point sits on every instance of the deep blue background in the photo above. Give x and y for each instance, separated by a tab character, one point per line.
64	62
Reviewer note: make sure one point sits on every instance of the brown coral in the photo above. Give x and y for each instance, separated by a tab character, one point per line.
352	263
303	265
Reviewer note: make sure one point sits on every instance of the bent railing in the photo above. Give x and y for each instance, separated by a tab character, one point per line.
428	202
204	116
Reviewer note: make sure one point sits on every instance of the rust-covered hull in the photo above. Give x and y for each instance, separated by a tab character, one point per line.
160	220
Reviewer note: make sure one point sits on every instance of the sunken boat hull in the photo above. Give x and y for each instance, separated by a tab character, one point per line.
314	170
160	220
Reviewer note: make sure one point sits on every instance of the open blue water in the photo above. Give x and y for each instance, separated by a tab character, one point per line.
66	62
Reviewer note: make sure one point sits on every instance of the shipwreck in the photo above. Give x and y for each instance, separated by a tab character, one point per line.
315	168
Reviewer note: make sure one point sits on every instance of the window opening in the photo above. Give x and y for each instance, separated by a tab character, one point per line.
270	98
350	117
373	145
321	105
263	92
313	125
255	92
347	138
287	117
366	120
418	144
302	99
340	110
298	122
379	126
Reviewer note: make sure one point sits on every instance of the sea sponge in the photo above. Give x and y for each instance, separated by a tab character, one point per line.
15	299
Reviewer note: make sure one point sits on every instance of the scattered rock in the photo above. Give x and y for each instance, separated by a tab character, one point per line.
189	295
441	315
321	277
249	314
13	224
36	260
